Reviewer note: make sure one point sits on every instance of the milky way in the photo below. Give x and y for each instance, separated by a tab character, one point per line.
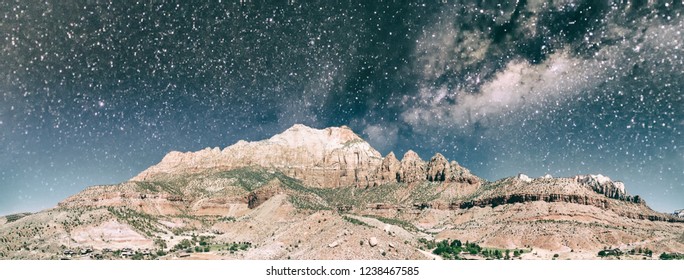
93	92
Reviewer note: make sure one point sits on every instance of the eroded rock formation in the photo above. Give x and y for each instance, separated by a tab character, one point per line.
327	158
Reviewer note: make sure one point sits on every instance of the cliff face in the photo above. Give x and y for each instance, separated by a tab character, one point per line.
603	185
331	157
270	192
523	198
327	158
337	157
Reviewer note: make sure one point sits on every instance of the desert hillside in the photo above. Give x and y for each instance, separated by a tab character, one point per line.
327	194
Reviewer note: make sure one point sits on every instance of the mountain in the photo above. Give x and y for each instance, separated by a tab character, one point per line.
328	158
327	194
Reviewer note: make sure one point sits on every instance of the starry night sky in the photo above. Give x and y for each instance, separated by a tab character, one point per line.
93	92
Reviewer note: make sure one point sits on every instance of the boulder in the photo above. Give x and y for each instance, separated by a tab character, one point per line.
373	241
333	244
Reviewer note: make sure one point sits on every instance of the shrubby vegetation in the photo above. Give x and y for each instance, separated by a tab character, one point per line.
252	178
142	222
355	221
671	256
641	251
608	252
183	245
204	244
15	217
404	224
455	249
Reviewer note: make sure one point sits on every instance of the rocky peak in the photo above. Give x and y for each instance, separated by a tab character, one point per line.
301	135
391	158
389	169
410	156
334	156
330	157
603	185
412	168
438	168
524	178
461	174
679	213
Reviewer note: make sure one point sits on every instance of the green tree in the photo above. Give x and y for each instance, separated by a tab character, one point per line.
602	253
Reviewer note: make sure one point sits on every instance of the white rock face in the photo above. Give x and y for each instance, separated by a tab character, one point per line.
330	157
679	213
620	186
524	178
600	178
547	176
604	185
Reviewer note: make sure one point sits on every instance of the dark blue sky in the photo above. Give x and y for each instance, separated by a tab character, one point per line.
93	92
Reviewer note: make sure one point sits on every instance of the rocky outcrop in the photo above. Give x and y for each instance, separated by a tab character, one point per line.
679	213
390	170
461	174
327	158
595	183
524	178
523	198
412	168
603	185
385	206
261	195
330	157
653	217
438	168
596	201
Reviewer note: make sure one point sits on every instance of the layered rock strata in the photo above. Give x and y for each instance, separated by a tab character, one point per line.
328	158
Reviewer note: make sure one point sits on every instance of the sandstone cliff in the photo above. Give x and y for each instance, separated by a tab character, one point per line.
328	158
